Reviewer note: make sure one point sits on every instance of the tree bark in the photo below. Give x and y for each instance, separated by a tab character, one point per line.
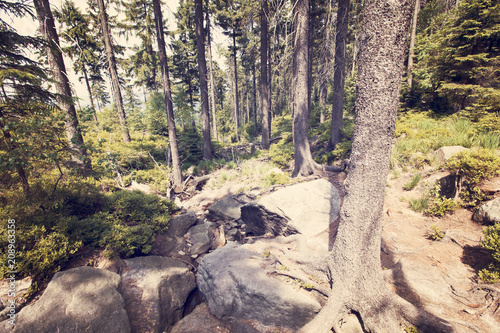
211	74
202	68
172	133
411	52
91	97
264	84
64	98
304	163
113	72
339	74
236	93
354	261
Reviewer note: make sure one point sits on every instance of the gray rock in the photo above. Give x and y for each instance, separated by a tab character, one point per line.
155	290
443	154
82	299
201	237
236	287
307	208
228	208
170	242
488	213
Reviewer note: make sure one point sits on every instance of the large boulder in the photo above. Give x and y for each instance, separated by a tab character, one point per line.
306	208
488	213
228	209
443	154
236	287
82	299
155	290
170	242
200	238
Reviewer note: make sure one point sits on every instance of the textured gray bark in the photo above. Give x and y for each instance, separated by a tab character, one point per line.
304	163
212	80
339	73
354	263
172	133
411	52
264	84
113	72
202	68
236	92
64	98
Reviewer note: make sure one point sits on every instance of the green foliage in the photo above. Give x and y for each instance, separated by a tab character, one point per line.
474	166
282	153
277	179
53	225
492	243
457	58
433	204
190	144
419	205
413	182
435	233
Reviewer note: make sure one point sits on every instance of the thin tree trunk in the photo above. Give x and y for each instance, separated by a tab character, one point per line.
64	98
113	72
411	52
264	83
211	74
304	163
339	74
236	93
354	261
172	133
202	67
254	95
91	97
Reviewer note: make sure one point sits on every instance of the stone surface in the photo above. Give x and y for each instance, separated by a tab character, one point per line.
82	299
236	287
228	209
489	212
306	208
170	242
200	236
155	290
443	154
200	321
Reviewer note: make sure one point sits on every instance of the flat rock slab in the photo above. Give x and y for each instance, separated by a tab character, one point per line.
306	208
82	299
228	209
236	287
155	290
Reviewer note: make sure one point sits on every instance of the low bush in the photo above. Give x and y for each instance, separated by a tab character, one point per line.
474	166
492	243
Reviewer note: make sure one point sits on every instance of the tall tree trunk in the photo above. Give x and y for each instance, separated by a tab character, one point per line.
211	74
354	261
202	68
64	98
172	133
113	72
322	101
411	52
339	74
254	96
264	83
236	93
304	163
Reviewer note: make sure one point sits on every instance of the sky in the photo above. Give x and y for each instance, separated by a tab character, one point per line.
28	26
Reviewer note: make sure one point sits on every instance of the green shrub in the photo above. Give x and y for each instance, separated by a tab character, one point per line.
276	179
491	242
436	233
419	205
441	206
282	153
474	166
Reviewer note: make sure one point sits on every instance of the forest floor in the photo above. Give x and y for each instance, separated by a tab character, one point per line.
439	276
